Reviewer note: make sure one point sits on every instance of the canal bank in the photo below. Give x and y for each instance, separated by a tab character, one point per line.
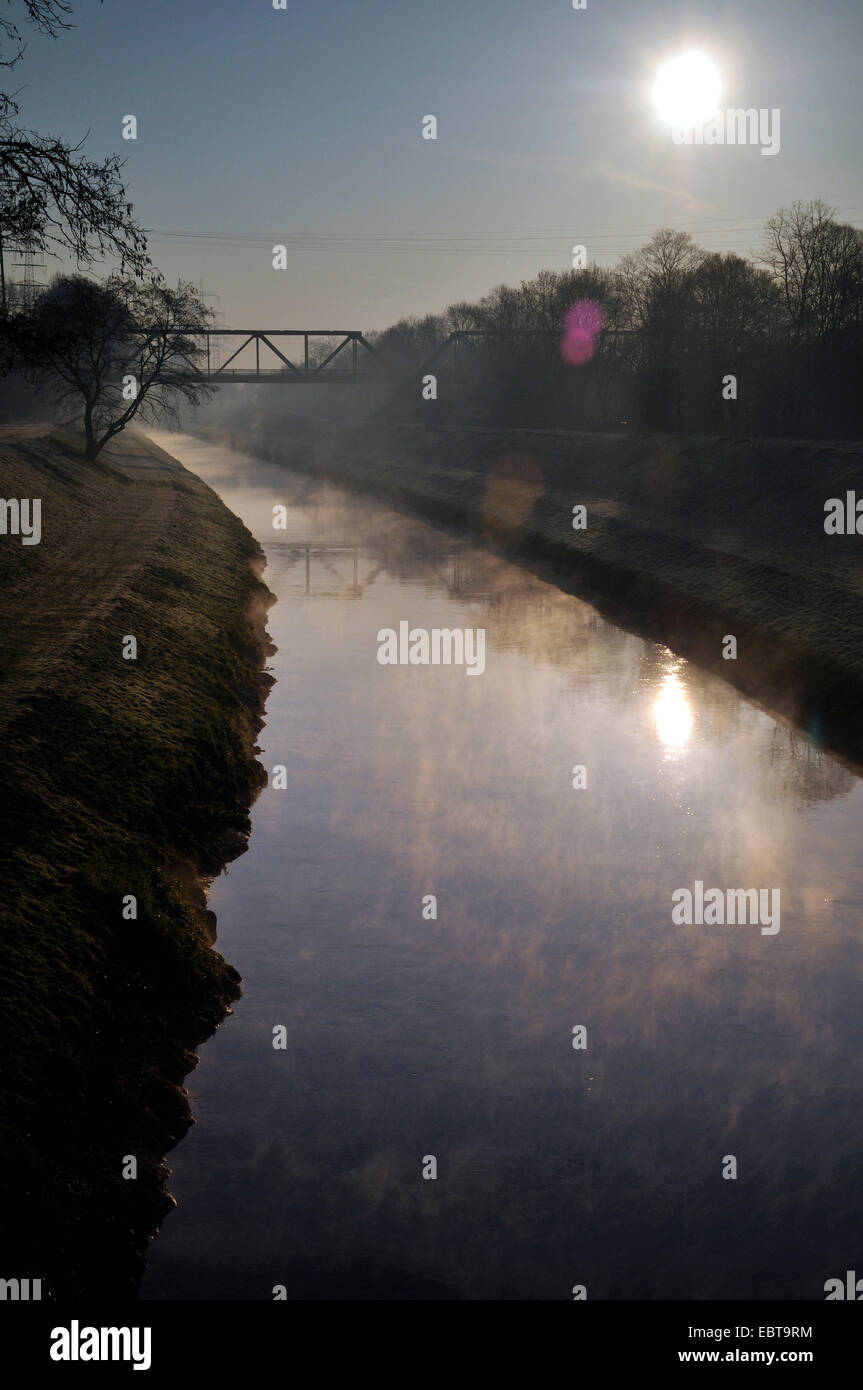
685	540
128	769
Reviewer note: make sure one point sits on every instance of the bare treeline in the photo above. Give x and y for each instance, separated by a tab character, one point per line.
679	322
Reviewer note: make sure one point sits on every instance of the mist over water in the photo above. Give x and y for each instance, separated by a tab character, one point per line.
453	1038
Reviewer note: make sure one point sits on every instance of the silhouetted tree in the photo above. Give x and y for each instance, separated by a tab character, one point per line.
654	280
45	16
731	316
116	350
52	197
817	264
789	329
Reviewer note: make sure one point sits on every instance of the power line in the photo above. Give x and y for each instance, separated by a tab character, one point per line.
464	242
732	234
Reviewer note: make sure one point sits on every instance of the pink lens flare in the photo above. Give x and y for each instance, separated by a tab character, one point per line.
584	323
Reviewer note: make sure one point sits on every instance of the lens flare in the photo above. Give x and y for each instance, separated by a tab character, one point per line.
584	323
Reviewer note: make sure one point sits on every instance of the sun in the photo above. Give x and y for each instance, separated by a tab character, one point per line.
687	88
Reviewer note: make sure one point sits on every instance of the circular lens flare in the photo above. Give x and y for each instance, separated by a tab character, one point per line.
584	323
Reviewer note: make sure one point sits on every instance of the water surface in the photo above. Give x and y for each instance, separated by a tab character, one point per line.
409	1038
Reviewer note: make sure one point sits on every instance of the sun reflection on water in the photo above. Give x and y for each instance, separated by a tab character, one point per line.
672	713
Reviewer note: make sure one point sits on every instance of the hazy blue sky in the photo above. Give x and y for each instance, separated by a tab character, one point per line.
308	121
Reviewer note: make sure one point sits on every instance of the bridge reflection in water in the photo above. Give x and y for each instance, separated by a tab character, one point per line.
452	570
323	552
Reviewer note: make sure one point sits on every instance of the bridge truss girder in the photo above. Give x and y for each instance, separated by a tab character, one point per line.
322	372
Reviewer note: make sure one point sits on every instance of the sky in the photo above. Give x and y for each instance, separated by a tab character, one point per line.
303	126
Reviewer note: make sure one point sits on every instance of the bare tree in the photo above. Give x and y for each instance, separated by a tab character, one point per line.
116	350
52	196
678	321
818	264
45	16
657	270
791	239
653	291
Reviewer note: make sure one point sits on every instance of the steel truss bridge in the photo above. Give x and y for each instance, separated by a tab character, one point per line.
352	359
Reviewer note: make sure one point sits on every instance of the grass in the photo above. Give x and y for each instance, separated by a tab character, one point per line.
120	777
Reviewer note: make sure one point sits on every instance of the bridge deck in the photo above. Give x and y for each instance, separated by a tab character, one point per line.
277	376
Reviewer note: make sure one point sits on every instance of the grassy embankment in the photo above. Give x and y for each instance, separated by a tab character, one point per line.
119	777
687	540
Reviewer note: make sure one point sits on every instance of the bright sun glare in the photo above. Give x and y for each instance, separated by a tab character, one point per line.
686	91
672	713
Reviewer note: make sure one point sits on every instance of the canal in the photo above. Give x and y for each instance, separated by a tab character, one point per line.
449	1030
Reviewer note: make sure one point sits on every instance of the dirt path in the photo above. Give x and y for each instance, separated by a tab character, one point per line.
86	548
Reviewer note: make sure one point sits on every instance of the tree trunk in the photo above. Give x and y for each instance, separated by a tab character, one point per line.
91	444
